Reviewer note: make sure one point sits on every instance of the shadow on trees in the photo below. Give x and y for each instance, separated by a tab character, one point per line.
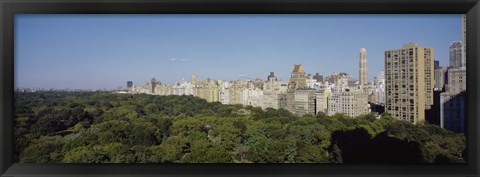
358	146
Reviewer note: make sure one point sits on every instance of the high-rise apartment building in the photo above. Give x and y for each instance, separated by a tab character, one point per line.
409	82
456	59
363	71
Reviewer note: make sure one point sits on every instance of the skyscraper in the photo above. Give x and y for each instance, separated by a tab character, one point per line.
409	82
129	84
363	67
456	58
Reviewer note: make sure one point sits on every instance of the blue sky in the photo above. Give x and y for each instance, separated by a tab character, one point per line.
106	51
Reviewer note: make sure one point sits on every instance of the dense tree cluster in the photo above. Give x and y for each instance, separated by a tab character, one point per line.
102	127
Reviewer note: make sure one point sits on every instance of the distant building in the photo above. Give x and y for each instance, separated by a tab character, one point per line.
298	78
456	59
153	84
318	77
379	90
194	79
182	88
350	102
452	102
252	97
129	84
274	94
363	71
306	101
271	77
440	77
457	80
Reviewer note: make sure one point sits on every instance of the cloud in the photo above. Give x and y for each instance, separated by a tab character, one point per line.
179	60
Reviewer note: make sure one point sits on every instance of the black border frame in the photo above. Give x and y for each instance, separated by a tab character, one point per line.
8	9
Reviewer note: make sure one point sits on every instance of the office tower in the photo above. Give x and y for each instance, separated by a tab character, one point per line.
409	82
363	75
456	59
464	39
129	84
436	64
298	78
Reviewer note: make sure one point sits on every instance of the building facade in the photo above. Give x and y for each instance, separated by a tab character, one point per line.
298	79
452	102
440	77
456	58
409	82
350	102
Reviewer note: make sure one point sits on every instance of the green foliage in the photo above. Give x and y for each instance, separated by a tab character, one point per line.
173	149
43	150
102	127
204	152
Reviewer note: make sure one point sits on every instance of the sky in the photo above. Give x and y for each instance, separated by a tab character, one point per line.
105	51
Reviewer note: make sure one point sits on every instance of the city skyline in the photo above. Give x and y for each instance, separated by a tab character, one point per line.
101	51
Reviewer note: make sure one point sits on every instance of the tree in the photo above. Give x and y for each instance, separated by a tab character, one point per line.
203	152
172	149
83	154
42	150
312	154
